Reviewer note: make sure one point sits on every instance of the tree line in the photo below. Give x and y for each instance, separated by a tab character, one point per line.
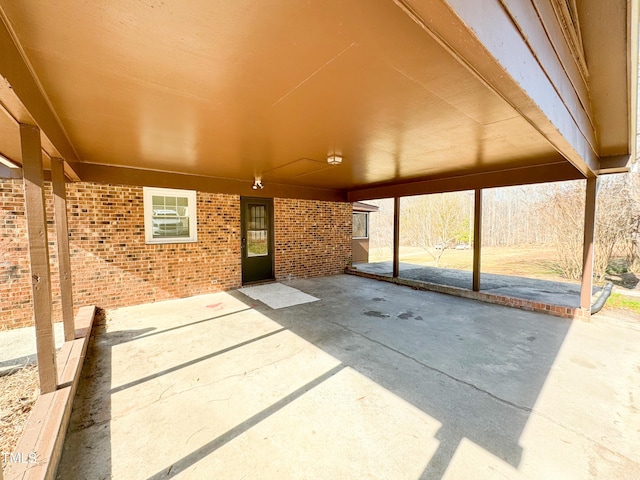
542	214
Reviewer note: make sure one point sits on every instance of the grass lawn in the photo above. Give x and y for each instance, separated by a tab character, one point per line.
624	302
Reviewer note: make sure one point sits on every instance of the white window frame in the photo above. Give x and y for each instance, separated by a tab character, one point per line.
148	193
366	214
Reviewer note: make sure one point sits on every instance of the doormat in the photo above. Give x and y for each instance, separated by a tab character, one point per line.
277	295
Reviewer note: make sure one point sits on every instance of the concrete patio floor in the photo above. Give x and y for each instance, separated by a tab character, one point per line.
373	381
18	347
545	291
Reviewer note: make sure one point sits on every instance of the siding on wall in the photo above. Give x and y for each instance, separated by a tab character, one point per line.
113	267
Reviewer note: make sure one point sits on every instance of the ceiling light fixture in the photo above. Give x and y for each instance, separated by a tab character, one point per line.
334	159
8	163
257	185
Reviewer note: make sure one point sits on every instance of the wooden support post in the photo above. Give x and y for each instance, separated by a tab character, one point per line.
39	254
477	238
589	241
62	234
396	237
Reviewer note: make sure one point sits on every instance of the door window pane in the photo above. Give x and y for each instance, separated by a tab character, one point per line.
257	243
257	232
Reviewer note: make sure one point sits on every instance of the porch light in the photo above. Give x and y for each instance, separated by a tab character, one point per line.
334	159
8	163
257	185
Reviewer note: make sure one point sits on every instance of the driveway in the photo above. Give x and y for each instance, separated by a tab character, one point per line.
372	380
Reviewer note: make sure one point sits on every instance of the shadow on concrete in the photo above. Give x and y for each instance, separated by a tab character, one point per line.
175	368
91	414
184	463
545	291
92	411
475	368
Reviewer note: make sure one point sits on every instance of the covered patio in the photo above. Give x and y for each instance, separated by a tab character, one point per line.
371	380
155	152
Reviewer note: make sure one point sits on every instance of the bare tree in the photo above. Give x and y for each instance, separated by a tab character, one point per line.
617	217
542	214
435	222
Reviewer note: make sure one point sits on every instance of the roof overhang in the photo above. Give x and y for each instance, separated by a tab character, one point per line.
410	94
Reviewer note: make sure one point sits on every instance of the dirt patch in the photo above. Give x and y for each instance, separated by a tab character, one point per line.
19	392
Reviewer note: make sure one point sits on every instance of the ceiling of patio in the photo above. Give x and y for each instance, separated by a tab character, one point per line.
242	89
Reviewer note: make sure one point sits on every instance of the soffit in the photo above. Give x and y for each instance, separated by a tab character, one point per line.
607	36
249	88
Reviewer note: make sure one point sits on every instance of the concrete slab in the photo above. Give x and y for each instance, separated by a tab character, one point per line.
553	293
373	381
18	347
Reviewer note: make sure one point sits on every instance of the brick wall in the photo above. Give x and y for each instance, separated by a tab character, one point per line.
15	287
112	265
312	238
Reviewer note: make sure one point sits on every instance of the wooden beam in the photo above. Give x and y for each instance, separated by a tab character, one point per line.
62	234
547	172
589	243
614	164
39	254
152	178
396	237
477	238
47	425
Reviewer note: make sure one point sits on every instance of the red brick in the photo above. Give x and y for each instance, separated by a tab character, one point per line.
112	266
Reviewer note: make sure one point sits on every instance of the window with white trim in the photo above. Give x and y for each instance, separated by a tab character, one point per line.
170	215
361	225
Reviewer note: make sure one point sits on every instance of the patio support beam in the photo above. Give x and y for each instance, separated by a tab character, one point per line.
477	238
396	237
547	172
589	242
62	235
39	255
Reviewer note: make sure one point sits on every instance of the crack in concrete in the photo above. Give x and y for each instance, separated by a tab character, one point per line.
435	369
529	410
208	384
91	424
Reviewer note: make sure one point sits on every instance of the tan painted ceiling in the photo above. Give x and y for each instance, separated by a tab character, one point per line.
238	89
